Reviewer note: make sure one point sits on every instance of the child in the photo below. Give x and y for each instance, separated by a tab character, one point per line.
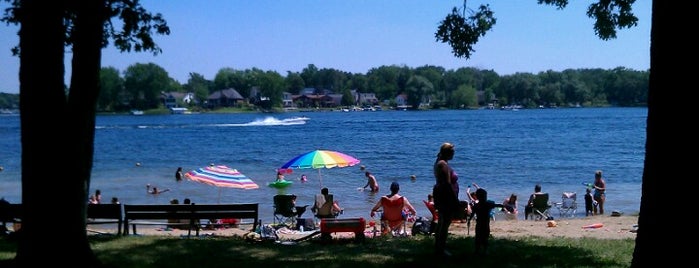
589	203
482	208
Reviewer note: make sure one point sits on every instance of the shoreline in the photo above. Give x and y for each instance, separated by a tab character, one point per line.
608	227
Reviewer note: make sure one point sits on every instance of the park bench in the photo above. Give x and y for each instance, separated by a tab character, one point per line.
96	214
186	215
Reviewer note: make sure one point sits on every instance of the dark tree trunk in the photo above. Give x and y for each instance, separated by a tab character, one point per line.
82	100
655	228
42	109
57	133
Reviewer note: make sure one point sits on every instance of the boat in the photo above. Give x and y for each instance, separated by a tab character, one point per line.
279	184
136	112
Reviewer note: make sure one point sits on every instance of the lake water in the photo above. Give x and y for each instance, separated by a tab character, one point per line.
503	151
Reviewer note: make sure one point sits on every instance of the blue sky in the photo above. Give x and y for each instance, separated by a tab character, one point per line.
356	36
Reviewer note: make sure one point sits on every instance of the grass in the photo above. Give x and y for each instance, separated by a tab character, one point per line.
416	251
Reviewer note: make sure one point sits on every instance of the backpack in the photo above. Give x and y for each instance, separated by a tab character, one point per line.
421	226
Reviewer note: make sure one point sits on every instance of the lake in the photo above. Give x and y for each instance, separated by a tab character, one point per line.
503	151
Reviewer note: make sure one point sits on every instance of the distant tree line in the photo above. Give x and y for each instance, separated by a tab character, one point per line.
141	86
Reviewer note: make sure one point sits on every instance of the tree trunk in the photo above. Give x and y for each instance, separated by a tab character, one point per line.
42	107
655	228
57	162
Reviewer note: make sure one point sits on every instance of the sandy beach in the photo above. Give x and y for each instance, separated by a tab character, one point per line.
607	227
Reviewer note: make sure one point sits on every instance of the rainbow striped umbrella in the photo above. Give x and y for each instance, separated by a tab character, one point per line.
319	159
221	176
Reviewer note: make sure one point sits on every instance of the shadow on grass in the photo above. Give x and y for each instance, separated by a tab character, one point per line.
210	252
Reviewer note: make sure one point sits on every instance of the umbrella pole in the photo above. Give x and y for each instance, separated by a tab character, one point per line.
320	179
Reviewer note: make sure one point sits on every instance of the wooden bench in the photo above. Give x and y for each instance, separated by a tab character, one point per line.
333	225
106	214
186	215
96	214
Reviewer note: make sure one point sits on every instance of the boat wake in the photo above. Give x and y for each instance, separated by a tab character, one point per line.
272	121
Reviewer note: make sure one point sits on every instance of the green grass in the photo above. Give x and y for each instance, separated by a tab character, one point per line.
417	251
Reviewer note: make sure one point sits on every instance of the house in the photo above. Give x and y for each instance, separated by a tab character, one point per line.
402	101
171	99
368	99
225	98
287	100
314	100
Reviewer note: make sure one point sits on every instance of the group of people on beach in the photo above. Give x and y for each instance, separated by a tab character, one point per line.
443	201
446	202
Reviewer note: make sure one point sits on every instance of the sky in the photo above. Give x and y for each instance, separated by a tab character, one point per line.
359	35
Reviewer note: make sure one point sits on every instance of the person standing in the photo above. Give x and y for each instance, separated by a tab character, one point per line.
483	210
446	196
600	187
589	202
371	182
178	174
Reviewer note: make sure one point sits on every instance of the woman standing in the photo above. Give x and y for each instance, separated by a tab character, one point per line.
600	187
446	196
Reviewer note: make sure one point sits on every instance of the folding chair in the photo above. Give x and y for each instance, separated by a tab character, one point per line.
324	207
285	209
541	206
393	218
568	204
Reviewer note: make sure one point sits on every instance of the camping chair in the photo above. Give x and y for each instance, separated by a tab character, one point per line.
541	206
393	218
568	204
285	209
324	207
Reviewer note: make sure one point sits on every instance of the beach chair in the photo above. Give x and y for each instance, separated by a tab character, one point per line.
285	209
568	204
541	207
393	217
324	207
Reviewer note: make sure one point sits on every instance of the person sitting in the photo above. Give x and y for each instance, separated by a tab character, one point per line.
510	206
280	176
299	209
325	206
429	203
529	209
394	206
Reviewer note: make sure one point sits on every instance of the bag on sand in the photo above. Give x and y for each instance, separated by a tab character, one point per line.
267	232
421	226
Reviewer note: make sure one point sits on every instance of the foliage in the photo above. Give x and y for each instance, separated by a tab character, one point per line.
461	33
9	101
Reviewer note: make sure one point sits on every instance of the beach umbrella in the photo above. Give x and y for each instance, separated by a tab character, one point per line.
319	159
221	176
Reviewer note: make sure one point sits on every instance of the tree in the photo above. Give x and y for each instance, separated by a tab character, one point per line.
111	89
46	28
609	16
144	84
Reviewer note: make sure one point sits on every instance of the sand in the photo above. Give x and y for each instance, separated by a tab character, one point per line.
620	227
